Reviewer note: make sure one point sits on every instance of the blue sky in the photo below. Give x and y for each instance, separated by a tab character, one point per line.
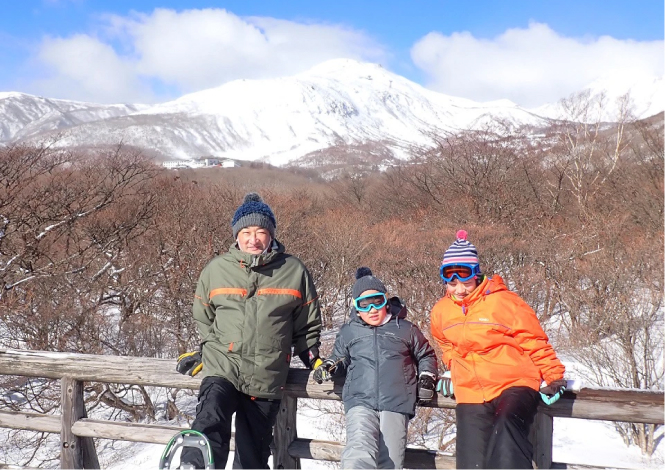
147	51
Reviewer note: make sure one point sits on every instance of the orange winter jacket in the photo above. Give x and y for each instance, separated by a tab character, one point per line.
492	340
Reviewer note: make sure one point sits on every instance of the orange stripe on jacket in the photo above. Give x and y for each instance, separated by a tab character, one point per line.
307	303
207	305
273	291
228	291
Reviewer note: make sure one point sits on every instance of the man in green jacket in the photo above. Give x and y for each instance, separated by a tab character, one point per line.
252	304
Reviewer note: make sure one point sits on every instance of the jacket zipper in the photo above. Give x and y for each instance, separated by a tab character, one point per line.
376	379
473	360
249	381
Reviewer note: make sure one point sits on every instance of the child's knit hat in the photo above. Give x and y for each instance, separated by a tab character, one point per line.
253	212
461	251
366	281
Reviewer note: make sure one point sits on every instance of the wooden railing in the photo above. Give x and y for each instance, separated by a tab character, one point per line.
77	430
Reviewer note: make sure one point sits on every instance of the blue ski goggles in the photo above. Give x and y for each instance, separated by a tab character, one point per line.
462	271
365	303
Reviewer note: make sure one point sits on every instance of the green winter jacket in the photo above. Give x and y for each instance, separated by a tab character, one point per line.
250	310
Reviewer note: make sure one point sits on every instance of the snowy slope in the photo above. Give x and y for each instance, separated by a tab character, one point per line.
23	115
646	97
339	101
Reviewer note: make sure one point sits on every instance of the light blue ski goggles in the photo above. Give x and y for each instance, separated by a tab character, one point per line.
462	271
365	303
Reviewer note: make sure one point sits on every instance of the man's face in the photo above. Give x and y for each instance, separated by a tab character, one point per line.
254	240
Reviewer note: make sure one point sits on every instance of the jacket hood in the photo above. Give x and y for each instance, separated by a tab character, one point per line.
395	307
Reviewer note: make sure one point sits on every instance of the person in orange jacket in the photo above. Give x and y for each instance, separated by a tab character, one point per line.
497	355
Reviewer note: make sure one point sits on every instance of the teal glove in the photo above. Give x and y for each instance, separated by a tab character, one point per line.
553	391
445	385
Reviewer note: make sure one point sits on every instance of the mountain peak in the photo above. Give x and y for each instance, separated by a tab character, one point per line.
349	69
347	65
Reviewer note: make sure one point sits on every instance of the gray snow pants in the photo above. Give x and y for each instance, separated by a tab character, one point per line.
374	439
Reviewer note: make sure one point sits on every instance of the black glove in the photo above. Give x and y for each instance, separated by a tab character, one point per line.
554	387
324	371
445	385
426	388
189	363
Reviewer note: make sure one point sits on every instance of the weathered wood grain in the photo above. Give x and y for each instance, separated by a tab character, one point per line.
30	421
542	434
77	431
91	428
71	452
638	406
284	433
332	451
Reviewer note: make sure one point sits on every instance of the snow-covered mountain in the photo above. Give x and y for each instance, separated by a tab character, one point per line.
645	97
23	115
337	103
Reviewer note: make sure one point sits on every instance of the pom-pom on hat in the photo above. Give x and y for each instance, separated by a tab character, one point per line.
461	251
366	281
253	212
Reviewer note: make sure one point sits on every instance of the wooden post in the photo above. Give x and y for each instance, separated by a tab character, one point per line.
542	431
71	452
285	433
75	452
90	459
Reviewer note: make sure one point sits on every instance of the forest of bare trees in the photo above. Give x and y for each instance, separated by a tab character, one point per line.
100	252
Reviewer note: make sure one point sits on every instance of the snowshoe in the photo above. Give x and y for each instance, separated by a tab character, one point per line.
186	438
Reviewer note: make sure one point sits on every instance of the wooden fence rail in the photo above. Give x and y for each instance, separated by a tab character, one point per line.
76	430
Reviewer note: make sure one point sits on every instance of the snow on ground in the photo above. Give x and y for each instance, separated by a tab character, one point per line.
582	441
130	456
575	441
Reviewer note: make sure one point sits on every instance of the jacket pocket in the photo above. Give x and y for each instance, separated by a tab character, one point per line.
272	354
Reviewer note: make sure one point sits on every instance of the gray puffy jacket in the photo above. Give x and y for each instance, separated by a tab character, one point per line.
382	363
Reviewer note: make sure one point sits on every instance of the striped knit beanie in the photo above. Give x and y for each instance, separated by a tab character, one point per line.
461	251
253	212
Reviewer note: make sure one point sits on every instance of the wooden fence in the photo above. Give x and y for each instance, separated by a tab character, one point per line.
77	430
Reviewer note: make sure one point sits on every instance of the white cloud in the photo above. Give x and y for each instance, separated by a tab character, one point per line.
530	66
191	50
84	68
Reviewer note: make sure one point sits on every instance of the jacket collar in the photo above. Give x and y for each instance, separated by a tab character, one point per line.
488	286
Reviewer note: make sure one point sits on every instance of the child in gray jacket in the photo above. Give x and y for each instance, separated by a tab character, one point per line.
389	365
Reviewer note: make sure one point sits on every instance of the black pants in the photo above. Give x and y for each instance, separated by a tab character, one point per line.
255	417
496	434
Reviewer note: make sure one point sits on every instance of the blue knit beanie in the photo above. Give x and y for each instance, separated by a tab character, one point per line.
366	281
253	212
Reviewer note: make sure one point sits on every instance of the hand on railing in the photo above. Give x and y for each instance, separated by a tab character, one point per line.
553	391
445	385
189	363
324	371
426	388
